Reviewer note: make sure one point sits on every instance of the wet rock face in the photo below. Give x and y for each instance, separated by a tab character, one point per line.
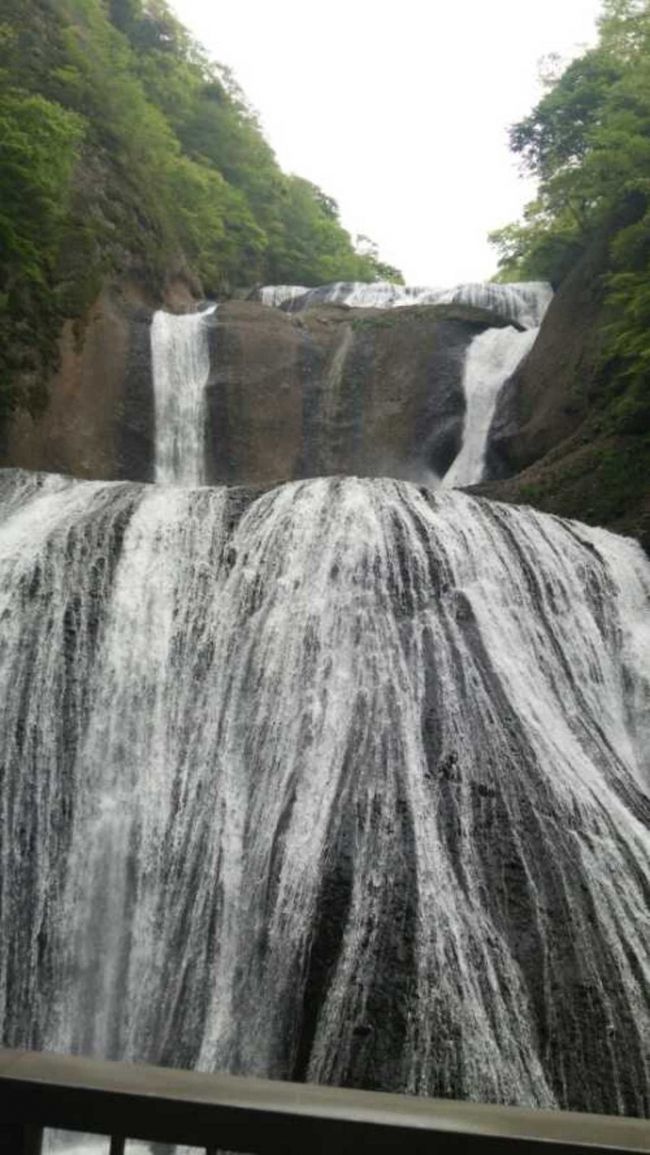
548	396
134	419
556	442
335	390
98	420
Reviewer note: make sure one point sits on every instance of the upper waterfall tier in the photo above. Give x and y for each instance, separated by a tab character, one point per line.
258	394
522	304
346	781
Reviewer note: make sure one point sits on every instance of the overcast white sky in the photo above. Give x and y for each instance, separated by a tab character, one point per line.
400	111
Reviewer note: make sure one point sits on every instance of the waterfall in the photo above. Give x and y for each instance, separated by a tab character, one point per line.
521	304
346	781
491	359
180	354
277	295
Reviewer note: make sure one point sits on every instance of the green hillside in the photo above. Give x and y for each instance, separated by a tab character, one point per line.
588	231
124	150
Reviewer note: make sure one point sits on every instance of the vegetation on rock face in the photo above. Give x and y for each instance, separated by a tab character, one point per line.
123	149
588	144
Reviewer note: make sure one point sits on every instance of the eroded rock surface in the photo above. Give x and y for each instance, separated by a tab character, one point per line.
336	390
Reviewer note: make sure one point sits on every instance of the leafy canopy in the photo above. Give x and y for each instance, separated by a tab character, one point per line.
588	144
123	148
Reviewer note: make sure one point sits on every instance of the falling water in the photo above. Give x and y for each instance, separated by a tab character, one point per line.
277	295
354	789
491	359
521	304
180	354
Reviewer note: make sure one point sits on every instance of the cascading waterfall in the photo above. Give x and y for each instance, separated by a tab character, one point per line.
277	295
523	304
491	359
353	788
180	354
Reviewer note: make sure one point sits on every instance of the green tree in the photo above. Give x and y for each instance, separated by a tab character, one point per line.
39	142
125	149
588	143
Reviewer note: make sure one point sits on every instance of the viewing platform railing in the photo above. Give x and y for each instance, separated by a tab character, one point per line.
225	1112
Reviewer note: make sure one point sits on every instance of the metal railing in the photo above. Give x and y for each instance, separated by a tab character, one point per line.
226	1112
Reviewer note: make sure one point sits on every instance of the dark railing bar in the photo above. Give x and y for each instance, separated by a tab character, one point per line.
23	1139
117	1145
156	1104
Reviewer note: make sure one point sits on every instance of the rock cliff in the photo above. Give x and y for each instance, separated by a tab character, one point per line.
97	418
557	441
334	390
339	390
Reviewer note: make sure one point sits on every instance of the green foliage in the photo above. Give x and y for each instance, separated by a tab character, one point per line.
215	223
366	248
627	351
124	149
602	483
561	143
38	144
555	137
530	251
624	28
314	248
588	143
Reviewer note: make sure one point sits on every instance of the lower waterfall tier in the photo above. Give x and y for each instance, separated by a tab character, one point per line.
346	781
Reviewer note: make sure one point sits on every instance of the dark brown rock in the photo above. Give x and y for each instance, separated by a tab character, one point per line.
335	390
548	397
98	418
555	442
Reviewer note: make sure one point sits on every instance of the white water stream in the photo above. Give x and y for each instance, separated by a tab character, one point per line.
180	354
523	304
348	781
400	737
491	359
